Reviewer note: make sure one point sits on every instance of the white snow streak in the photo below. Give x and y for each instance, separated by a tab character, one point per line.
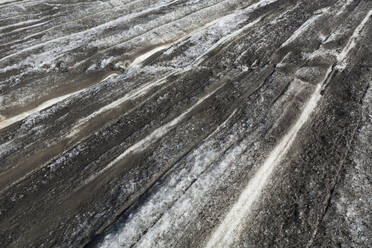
153	137
7	1
225	40
44	105
352	41
151	213
304	27
109	76
137	93
140	59
230	228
